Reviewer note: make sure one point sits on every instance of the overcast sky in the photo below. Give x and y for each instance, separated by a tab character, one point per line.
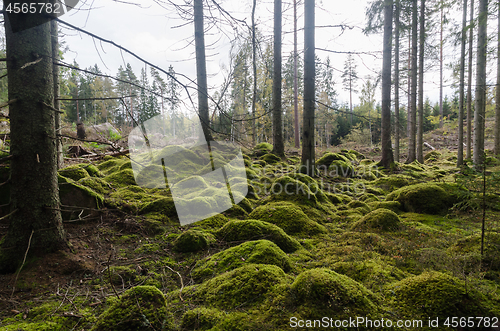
149	31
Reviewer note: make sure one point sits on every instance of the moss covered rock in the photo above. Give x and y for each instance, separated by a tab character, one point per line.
341	168
237	231
121	178
371	273
270	158
213	222
379	219
264	146
140	308
201	318
287	188
323	290
96	184
362	207
289	217
259	252
436	294
392	182
470	248
425	198
164	206
74	172
395	206
80	199
245	286
190	241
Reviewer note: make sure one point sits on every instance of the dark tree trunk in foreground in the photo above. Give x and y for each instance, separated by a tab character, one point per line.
387	156
201	69
308	157
55	56
254	67
35	222
278	147
413	118
420	126
396	80
468	154
295	79
479	111
460	155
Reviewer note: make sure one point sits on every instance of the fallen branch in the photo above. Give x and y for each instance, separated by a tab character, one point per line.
24	260
182	283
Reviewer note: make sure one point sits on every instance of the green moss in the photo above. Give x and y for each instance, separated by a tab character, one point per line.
165	206
259	252
237	231
248	285
122	275
74	172
236	211
379	219
288	189
372	273
190	241
435	294
139	308
395	206
334	198
470	249
96	184
393	182
368	197
423	198
432	156
75	195
264	146
328	158
121	178
289	217
323	290
362	207
213	222
341	168
130	198
110	165
251	174
270	158
201	318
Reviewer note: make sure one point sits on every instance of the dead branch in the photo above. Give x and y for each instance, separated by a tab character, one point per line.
24	260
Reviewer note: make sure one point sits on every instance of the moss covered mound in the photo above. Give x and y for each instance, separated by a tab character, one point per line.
74	172
139	308
323	290
245	286
422	198
121	178
190	241
371	273
289	217
392	182
259	252
360	206
341	168
237	231
436	294
379	219
287	188
270	158
201	318
264	146
395	206
213	222
470	248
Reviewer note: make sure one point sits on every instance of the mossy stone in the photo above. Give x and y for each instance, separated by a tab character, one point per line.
424	198
237	231
359	205
190	241
286	188
289	217
258	252
121	178
165	206
470	248
248	285
270	158
213	222
436	294
370	273
139	308
91	169
392	182
201	318
395	206
79	197
341	168
325	290
379	219
96	184
74	172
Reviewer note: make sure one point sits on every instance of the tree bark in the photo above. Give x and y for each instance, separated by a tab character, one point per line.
54	31
387	156
308	152
460	154
420	126
479	111
396	81
469	83
441	70
413	118
36	224
278	147
201	69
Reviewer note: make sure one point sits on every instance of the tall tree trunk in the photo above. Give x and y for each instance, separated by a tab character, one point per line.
479	111
408	116
387	156
35	224
254	66
295	77
469	83
441	70
278	147
308	152
55	56
413	118
396	81
201	69
420	133
497	95
460	155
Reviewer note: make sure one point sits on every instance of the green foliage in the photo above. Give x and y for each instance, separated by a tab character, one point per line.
379	219
423	198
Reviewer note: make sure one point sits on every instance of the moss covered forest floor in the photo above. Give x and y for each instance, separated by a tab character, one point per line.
354	242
